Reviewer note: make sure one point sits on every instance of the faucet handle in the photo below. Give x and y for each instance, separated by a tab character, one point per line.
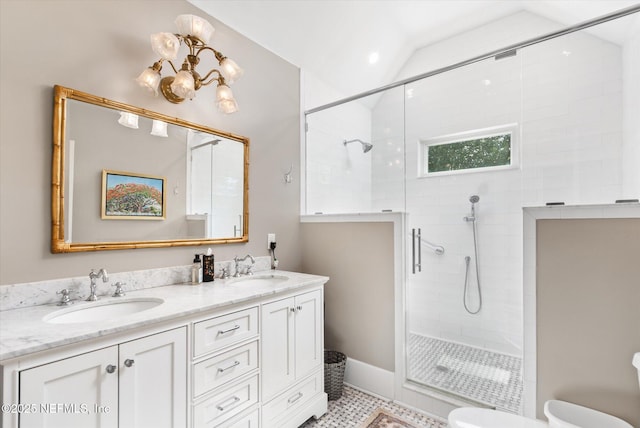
119	292
65	300
249	272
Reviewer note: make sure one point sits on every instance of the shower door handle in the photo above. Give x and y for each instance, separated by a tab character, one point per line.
416	237
419	241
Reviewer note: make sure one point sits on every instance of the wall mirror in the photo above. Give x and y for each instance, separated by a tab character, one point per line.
124	177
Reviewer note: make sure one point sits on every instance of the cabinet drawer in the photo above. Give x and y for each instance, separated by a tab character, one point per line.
223	368
247	420
225	404
225	330
292	399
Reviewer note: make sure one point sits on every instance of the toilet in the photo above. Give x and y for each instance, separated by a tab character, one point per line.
473	417
560	414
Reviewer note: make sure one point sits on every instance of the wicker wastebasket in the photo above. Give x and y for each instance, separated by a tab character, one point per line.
334	364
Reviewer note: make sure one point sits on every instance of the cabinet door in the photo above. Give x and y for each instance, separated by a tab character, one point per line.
308	332
153	381
81	391
278	369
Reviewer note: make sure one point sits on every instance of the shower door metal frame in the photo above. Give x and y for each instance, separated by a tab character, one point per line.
498	54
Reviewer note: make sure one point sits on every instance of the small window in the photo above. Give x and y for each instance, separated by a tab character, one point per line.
483	149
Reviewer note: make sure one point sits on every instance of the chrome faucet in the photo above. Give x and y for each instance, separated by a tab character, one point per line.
93	276
237	260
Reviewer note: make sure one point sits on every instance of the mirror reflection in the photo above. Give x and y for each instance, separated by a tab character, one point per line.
131	178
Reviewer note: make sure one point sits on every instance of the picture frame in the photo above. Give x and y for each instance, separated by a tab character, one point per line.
132	196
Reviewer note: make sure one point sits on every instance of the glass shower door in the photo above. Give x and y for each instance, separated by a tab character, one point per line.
463	290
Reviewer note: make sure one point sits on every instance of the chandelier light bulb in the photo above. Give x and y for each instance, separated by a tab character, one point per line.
166	45
183	85
224	99
129	120
149	79
191	25
159	128
231	70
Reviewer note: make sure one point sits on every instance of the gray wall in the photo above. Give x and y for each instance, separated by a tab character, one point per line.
100	47
588	314
359	298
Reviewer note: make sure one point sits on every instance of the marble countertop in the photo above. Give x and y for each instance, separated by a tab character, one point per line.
23	331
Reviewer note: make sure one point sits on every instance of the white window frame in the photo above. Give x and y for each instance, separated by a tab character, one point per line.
424	144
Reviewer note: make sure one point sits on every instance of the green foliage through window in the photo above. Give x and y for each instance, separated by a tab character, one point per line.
481	152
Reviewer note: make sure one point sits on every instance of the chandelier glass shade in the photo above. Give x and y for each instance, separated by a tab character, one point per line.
194	32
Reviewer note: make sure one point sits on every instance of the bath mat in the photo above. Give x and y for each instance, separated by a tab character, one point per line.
382	418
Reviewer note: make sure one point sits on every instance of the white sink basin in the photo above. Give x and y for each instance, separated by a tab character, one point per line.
260	280
102	311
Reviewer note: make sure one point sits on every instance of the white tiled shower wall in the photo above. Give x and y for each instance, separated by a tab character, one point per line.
566	97
338	175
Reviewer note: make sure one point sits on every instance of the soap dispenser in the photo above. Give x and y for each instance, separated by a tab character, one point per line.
196	270
207	266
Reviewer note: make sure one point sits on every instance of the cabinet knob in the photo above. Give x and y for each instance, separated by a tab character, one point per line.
293	310
299	308
128	362
111	368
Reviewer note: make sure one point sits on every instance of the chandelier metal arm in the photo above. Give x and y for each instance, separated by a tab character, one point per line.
175	70
191	42
217	54
218	79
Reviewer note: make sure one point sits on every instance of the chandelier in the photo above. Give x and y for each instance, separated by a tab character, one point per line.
195	33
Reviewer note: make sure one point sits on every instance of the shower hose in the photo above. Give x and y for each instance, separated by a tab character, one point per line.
467	260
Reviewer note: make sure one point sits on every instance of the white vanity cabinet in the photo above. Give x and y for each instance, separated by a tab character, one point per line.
225	370
219	356
79	382
292	360
140	383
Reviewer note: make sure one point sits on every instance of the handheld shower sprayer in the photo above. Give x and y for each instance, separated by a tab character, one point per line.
473	199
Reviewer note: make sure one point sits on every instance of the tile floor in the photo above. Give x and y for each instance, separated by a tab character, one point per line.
483	376
354	407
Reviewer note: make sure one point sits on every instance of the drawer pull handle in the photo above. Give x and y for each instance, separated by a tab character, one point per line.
296	398
227	403
111	368
235	327
224	369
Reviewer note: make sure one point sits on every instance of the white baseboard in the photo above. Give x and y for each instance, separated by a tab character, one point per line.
379	382
369	378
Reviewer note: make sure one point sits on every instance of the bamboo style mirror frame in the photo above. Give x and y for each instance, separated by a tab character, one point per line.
116	186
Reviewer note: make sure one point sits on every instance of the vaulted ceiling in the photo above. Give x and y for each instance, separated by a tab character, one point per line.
334	39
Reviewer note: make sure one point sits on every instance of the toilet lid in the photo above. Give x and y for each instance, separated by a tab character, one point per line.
471	417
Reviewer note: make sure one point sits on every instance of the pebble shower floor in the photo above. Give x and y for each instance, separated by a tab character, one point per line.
354	407
484	376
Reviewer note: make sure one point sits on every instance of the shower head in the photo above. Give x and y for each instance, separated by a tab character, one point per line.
365	146
474	198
